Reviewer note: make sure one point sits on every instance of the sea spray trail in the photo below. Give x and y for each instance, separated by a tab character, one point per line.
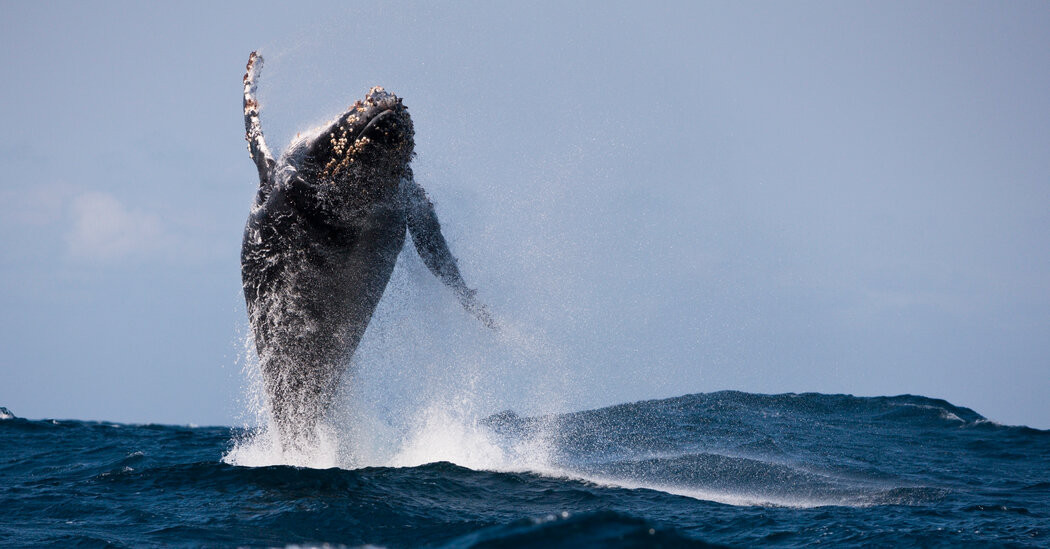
439	410
798	469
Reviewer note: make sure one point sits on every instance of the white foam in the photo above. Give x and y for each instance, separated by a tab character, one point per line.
444	435
943	413
437	432
440	436
262	448
728	498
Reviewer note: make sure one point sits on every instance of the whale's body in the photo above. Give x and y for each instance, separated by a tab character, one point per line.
324	233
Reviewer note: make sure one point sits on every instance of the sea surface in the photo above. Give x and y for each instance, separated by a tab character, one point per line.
716	469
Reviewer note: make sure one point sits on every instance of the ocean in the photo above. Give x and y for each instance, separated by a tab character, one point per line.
714	469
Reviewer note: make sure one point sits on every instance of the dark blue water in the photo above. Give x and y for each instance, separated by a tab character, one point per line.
723	468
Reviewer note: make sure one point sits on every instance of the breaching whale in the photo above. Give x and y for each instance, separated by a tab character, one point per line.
324	232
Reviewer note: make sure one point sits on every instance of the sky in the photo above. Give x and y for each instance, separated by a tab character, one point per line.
655	199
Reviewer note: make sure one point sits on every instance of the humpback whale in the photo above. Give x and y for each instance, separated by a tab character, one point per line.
325	229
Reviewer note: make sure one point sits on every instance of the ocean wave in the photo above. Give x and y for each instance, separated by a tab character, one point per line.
729	468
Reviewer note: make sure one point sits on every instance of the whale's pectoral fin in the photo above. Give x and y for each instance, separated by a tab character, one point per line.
253	127
469	301
425	229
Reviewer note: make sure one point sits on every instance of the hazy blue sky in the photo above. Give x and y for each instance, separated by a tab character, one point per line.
657	199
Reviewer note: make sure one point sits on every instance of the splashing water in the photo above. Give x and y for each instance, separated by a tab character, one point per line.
423	378
427	385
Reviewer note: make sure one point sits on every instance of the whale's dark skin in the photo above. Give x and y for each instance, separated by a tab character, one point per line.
325	230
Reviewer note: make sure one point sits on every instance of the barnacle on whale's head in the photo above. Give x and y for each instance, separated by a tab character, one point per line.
373	135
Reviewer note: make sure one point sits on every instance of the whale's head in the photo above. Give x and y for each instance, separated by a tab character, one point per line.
360	156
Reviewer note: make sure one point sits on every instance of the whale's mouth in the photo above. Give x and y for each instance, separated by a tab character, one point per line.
364	133
373	135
